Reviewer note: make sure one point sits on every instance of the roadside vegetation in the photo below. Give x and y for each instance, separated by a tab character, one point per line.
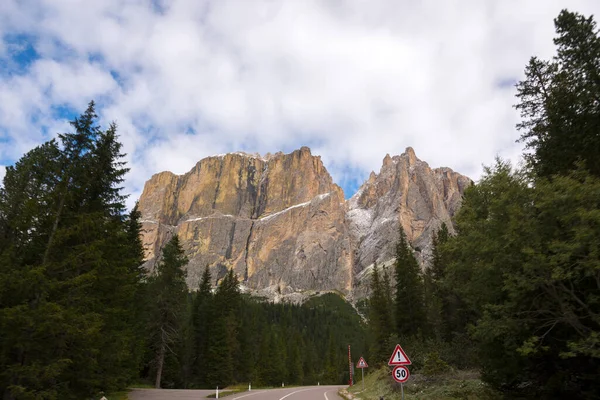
447	386
122	395
515	291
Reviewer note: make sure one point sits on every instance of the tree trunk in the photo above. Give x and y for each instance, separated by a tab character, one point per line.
161	361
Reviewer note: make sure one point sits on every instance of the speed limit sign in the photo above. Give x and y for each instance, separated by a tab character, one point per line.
400	374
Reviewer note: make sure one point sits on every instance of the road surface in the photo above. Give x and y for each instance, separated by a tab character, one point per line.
166	394
297	393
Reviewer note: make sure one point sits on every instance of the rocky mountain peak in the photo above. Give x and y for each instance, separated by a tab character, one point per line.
412	157
282	224
406	192
387	160
277	220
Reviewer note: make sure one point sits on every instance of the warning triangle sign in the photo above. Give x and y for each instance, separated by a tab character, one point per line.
399	357
361	363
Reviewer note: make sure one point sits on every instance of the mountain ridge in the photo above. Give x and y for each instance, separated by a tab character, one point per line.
284	226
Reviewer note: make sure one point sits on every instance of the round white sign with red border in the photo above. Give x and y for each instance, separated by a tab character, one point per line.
400	374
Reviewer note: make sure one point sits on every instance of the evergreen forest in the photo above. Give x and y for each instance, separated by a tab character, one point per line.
515	293
511	289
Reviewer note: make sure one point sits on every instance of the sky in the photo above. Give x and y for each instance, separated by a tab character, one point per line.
354	80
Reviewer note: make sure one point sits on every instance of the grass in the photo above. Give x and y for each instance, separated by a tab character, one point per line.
455	386
142	385
225	393
117	396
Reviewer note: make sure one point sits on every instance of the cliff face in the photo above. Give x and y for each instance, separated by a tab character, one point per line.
282	224
278	221
407	192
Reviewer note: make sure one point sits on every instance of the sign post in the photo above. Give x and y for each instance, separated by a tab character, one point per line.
399	360
362	364
350	365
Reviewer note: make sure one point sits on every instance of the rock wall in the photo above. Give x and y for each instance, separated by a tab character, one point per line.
282	224
408	192
277	220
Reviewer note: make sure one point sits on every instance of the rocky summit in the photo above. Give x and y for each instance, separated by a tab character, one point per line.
282	224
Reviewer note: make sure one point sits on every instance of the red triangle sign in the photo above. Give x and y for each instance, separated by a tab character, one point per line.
362	363
399	357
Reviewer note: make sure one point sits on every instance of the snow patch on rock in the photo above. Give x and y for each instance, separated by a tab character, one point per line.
209	217
319	197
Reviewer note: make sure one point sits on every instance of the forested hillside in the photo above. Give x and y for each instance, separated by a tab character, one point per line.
227	337
516	293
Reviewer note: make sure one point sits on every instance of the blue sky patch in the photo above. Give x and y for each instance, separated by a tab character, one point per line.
21	54
505	83
64	112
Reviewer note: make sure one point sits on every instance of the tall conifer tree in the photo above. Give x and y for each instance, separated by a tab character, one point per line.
68	268
436	297
559	100
223	342
201	318
380	315
169	291
409	309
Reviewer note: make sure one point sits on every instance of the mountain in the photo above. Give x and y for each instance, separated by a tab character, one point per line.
278	221
406	191
283	225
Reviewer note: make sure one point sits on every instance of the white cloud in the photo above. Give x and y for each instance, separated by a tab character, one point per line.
353	80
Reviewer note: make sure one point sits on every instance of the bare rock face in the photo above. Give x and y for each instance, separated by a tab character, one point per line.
283	226
407	192
278	221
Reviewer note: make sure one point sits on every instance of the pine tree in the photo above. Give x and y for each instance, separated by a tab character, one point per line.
64	237
186	352
295	360
559	100
201	320
331	362
380	315
409	310
386	287
438	261
524	263
120	273
275	372
222	342
436	296
169	290
374	315
264	376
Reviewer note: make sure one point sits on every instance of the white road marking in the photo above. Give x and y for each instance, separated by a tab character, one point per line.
297	391
287	395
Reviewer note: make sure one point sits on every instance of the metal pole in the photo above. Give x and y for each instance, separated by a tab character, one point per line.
402	389
362	370
350	365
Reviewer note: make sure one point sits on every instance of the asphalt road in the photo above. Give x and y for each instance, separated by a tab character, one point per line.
166	394
297	393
